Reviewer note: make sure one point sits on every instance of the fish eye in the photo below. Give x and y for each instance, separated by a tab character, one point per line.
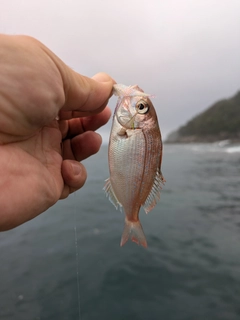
142	107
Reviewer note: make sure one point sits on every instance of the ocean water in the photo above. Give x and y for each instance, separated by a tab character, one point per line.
190	270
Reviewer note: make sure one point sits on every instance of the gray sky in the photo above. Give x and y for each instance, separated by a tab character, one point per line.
185	52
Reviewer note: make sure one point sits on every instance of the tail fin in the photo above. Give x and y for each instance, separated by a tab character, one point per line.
133	230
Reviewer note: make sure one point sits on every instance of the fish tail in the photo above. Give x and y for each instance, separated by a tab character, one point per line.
134	231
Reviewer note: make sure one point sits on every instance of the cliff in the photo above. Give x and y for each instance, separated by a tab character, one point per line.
219	122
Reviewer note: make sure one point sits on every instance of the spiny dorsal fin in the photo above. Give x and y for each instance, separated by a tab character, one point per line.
154	195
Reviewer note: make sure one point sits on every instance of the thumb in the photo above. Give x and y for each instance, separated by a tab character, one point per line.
83	94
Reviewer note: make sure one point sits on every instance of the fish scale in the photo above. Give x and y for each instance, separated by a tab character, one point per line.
124	190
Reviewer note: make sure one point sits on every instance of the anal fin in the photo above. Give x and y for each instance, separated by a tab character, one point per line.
111	195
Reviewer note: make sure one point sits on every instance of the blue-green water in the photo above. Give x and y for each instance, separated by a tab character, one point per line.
190	270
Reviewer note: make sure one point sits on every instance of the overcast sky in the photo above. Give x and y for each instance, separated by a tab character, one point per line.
185	52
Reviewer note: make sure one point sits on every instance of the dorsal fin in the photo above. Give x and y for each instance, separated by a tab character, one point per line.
154	194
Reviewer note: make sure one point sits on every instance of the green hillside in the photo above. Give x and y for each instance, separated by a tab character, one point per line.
220	121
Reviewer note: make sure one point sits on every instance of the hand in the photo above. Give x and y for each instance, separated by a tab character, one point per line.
39	154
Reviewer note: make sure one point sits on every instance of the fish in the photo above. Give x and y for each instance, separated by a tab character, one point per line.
134	157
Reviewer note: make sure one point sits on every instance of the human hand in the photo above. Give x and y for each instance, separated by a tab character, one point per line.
39	154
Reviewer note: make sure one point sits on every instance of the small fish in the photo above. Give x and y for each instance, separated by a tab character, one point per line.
135	156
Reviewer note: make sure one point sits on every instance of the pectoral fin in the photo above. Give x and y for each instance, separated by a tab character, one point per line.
154	195
111	195
122	132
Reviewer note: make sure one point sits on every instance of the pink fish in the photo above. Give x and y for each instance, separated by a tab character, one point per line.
135	156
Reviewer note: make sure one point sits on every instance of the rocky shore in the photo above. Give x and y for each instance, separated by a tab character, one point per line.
219	122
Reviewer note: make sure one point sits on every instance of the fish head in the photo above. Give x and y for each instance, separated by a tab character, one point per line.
134	108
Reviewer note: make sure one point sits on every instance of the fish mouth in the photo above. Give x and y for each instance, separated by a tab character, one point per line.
126	122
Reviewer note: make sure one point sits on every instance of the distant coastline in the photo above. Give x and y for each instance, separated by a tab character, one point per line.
220	122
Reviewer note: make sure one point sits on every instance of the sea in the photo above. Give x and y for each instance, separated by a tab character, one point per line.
67	263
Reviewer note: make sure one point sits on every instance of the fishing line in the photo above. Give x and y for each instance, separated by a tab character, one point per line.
77	259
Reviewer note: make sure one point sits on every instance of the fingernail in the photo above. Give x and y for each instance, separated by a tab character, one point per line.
76	169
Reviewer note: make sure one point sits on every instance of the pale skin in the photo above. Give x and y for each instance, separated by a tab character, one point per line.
48	114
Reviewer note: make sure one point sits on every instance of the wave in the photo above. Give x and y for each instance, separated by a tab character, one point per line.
233	149
216	147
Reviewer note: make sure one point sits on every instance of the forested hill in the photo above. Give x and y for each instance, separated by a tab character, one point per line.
220	121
